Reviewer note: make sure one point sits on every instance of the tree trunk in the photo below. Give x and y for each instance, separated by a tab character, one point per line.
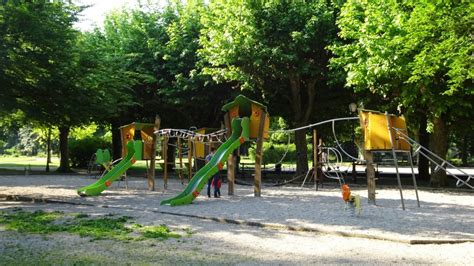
424	139
440	148
301	152
116	139
302	109
64	166
48	149
464	149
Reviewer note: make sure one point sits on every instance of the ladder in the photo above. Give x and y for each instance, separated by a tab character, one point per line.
441	164
395	160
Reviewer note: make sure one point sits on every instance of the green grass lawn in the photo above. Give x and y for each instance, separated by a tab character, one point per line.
39	163
22	162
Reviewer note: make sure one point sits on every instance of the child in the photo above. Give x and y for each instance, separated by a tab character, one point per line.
214	180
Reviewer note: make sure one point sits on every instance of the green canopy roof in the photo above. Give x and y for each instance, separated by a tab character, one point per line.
139	126
242	101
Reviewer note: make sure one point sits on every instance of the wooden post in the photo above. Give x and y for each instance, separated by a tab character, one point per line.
315	158
258	156
230	161
180	158
190	158
165	161
369	158
151	169
230	174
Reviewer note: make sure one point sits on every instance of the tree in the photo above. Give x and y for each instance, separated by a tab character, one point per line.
151	55
36	64
276	47
416	54
191	92
45	70
103	71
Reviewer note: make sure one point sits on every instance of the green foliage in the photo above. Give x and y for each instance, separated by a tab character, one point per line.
27	222
161	232
417	53
42	222
83	132
9	126
43	72
81	150
275	48
102	227
191	91
273	153
38	64
277	123
28	141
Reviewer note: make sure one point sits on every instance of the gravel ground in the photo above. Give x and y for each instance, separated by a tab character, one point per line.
441	216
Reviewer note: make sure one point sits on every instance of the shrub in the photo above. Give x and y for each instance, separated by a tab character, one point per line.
12	152
272	153
80	151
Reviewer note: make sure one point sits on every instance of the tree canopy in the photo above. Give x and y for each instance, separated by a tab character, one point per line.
276	47
305	60
417	55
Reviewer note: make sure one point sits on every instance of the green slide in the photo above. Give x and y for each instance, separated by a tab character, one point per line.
240	134
103	183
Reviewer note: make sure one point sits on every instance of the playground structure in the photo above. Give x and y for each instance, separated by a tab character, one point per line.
243	119
378	130
247	120
198	146
352	200
109	177
395	139
259	124
100	159
135	147
382	132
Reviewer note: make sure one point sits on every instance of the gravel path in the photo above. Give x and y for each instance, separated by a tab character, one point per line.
442	216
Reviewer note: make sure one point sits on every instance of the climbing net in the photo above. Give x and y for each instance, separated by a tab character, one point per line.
333	122
217	136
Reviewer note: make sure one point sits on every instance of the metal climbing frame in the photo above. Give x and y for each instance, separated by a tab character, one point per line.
395	161
440	163
335	166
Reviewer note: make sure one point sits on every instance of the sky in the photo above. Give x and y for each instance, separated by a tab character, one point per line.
94	15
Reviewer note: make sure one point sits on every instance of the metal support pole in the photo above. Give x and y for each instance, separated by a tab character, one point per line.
389	128
414	178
